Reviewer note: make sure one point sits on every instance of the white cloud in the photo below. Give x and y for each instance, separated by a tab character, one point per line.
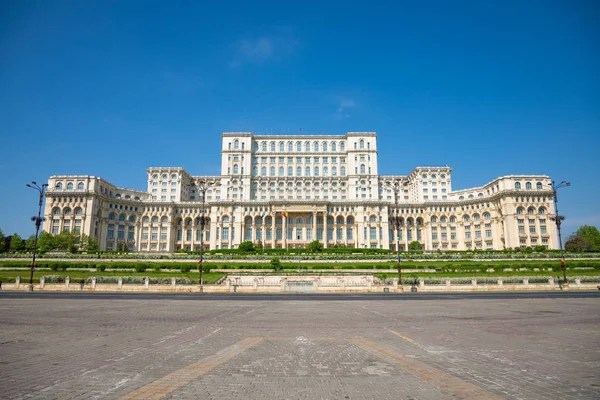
344	104
263	49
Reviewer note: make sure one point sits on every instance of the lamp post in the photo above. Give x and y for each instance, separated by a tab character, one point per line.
558	219
203	186
37	221
395	219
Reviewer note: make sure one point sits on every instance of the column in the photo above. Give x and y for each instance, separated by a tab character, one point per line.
314	225
325	230
273	230
284	231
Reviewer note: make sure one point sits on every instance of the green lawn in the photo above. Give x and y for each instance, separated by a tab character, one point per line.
11	275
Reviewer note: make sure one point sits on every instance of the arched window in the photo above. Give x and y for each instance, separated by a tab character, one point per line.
145	220
290	171
128	197
452	220
155	176
343	171
137	198
528	185
272	171
255	171
290	147
362	169
480	195
316	171
164	220
281	147
538	186
339	220
67	211
307	171
333	171
225	219
466	218
80	186
433	220
164	176
316	146
263	171
236	144
324	146
461	197
248	220
235	168
307	146
333	146
112	216
372	218
349	221
471	196
131	218
78	211
122	217
361	144
342	146
519	210
298	146
273	146
517	185
531	210
299	221
325	171
299	171
443	220
264	146
281	171
118	195
59	186
56	211
486	216
255	146
476	217
541	210
70	186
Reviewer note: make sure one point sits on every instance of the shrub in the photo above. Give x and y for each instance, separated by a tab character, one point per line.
100	267
185	268
140	267
276	264
246	247
156	268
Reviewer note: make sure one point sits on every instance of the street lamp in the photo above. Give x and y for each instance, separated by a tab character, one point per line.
396	221
37	221
558	219
203	186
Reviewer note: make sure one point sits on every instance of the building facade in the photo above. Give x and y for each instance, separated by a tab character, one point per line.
286	191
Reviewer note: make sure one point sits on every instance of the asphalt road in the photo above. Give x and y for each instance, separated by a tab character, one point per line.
302	296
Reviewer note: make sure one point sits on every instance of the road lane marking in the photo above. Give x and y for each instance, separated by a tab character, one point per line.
175	380
405	338
433	376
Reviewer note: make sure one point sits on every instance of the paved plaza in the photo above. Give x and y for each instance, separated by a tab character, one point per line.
130	348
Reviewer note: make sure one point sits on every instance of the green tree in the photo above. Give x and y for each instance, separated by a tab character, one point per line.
46	242
16	243
315	246
246	247
587	238
414	245
66	241
88	244
2	247
30	243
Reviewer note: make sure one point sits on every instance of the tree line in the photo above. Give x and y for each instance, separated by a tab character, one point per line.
64	241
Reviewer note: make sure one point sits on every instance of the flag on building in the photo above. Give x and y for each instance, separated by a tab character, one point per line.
309	220
285	215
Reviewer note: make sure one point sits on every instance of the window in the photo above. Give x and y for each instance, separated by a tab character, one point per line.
517	185
316	171
272	171
362	169
235	169
281	147
324	146
519	210
80	186
272	149
541	210
307	171
539	186
528	185
361	144
531	210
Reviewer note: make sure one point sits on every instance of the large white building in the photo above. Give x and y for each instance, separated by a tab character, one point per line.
286	191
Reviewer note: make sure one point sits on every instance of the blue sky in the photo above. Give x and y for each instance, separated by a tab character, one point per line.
110	88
